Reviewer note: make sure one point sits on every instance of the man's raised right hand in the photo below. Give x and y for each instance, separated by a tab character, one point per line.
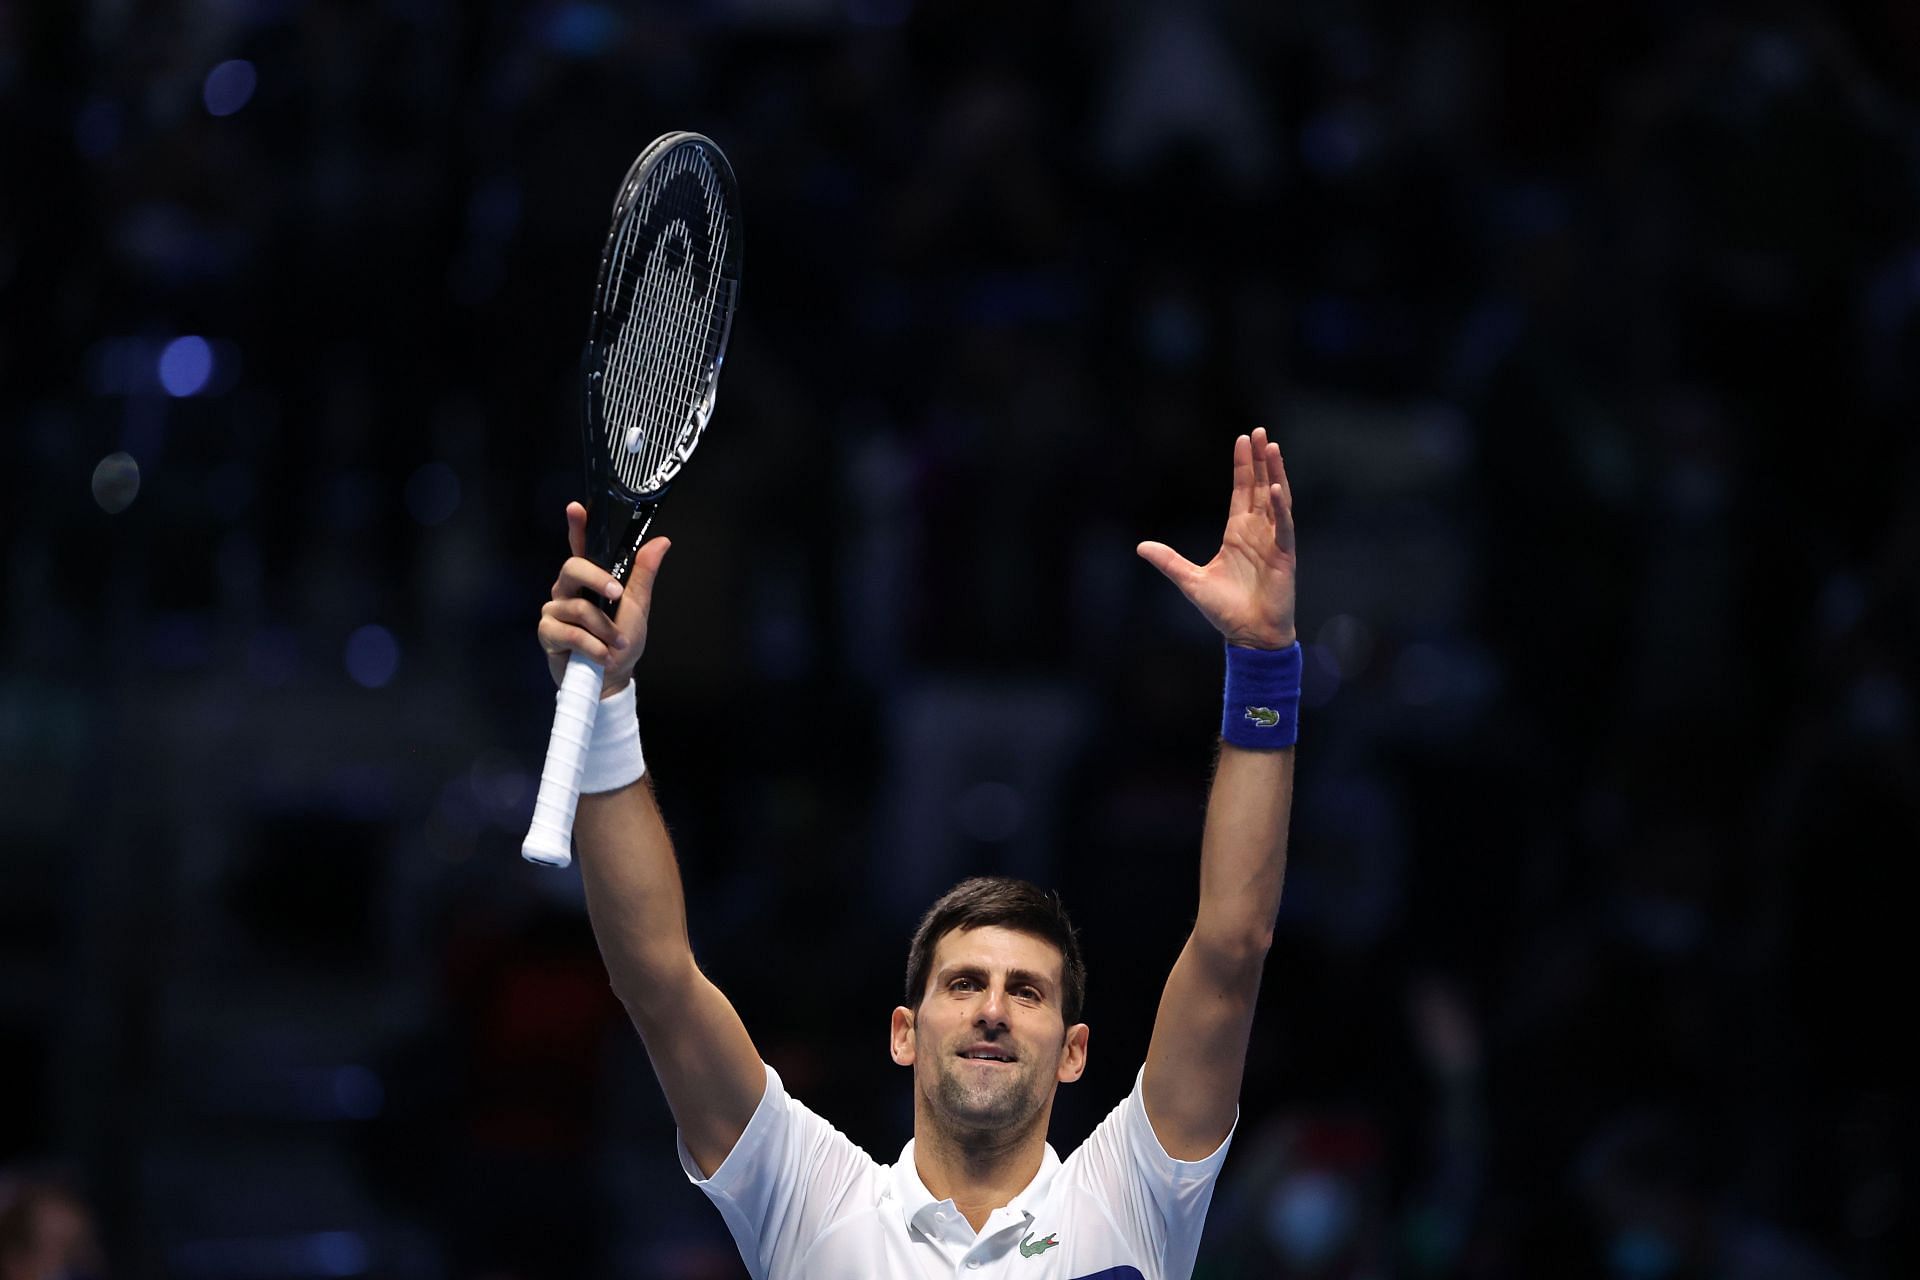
571	623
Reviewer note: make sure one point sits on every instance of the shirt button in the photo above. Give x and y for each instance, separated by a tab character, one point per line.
973	1264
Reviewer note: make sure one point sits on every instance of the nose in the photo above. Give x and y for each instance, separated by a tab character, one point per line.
993	1007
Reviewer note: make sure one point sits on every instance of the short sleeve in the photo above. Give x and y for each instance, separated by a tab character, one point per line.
790	1177
1157	1203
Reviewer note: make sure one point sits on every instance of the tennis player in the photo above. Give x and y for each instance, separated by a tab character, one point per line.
990	1022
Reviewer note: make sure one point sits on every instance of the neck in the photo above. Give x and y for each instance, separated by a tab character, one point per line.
979	1172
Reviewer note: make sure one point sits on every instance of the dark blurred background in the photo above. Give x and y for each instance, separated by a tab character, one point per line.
1590	331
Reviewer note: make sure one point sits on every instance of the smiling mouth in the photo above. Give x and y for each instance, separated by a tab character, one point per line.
986	1055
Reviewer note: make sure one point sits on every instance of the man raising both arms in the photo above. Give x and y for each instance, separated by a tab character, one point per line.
990	1025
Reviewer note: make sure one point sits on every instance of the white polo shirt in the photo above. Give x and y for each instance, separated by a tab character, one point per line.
804	1203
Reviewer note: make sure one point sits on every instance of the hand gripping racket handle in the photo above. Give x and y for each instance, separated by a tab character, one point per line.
550	839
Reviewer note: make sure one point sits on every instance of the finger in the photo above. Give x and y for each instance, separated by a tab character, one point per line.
584	612
1258	497
580	574
1282	520
1274	481
587	616
1242	477
635	604
576	529
557	637
646	567
1175	566
1277	470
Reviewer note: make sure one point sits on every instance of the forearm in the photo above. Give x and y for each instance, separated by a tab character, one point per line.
634	895
706	1062
1199	1047
1243	851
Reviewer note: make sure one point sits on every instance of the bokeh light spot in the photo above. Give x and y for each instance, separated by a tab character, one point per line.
1320	676
229	87
116	482
1349	640
500	786
581	30
373	656
185	365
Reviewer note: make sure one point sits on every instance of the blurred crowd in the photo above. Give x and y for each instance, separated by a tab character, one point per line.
1591	333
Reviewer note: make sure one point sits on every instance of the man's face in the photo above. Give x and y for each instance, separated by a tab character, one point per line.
989	1041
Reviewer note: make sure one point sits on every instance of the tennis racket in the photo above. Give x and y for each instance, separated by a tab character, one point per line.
662	310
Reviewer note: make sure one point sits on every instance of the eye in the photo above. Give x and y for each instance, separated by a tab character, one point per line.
1027	993
963	984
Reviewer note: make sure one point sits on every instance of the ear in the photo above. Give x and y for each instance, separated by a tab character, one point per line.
1073	1054
901	1037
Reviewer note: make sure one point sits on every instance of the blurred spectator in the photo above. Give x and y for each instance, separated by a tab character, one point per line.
46	1232
1656	1200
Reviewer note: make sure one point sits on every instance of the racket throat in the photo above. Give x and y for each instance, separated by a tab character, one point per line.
614	531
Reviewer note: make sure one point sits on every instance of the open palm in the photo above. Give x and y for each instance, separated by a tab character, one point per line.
1246	591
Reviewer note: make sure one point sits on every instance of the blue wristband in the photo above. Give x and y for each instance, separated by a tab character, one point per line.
1262	707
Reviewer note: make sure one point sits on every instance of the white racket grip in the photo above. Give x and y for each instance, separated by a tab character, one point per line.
550	839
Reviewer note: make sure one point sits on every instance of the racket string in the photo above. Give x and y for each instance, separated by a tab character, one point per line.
674	299
620	361
630	362
663	311
660	362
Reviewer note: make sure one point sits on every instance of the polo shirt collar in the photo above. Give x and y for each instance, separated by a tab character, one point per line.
942	1220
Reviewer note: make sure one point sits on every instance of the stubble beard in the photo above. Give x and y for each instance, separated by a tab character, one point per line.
991	1108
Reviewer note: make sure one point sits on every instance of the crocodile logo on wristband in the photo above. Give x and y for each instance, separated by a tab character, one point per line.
1264	717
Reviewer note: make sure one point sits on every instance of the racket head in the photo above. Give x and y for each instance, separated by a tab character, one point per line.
663	306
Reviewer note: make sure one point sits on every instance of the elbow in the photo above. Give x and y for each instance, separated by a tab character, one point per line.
1254	947
652	991
1239	953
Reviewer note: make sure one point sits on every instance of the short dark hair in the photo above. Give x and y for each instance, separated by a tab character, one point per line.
1010	904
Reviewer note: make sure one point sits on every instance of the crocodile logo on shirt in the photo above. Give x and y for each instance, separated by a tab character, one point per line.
1031	1248
1265	717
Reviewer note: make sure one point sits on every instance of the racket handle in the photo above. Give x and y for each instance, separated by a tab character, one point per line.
550	839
